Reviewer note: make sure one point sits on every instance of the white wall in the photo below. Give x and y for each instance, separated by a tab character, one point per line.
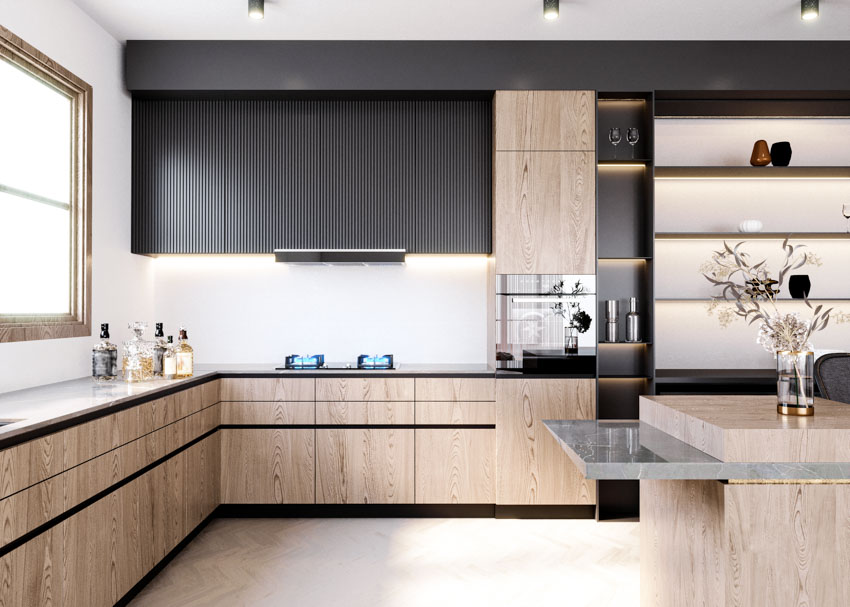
122	283
252	310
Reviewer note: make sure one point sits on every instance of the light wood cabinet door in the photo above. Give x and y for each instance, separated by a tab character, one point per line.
545	213
278	412
364	388
267	466
455	389
268	389
456	413
545	120
532	466
386	413
32	573
364	466
455	466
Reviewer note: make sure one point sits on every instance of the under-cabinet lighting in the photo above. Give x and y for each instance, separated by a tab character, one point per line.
809	9
639	165
551	9
256	9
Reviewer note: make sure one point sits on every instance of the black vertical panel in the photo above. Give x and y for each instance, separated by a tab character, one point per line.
249	176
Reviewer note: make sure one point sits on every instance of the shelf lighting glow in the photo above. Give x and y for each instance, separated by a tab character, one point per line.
638	165
809	10
551	9
256	9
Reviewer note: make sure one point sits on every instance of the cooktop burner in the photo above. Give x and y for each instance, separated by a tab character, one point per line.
317	361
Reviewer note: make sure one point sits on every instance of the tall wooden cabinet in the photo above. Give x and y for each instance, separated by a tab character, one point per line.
544	193
532	467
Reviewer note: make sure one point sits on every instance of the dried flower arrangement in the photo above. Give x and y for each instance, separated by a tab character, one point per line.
733	271
571	311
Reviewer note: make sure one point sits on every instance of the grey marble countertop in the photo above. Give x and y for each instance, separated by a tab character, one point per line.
613	450
23	413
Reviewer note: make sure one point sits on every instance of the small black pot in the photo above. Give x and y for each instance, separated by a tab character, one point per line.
799	286
780	154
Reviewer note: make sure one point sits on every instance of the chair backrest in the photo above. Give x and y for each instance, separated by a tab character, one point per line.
832	372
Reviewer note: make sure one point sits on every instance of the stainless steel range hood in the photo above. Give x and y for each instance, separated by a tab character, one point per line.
340	257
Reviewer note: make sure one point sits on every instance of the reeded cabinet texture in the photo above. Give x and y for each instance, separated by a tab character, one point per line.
250	176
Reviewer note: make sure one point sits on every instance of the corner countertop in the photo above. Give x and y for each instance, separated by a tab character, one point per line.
634	450
36	411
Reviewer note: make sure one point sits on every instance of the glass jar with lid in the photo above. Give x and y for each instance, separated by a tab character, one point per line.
138	355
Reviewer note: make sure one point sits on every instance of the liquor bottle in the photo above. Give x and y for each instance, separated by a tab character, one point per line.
158	350
104	357
138	355
169	359
633	322
185	356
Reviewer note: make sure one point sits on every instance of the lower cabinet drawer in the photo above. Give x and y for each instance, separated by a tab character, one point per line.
267	466
456	466
364	413
281	412
364	466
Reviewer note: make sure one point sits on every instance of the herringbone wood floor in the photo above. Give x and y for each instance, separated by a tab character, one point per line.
403	562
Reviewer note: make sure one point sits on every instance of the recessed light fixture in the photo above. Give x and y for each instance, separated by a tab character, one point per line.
809	9
550	9
256	9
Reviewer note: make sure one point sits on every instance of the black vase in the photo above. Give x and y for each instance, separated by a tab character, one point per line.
780	154
799	286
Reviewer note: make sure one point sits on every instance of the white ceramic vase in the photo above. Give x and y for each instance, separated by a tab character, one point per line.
750	225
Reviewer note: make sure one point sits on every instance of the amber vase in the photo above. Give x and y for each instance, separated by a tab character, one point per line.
761	154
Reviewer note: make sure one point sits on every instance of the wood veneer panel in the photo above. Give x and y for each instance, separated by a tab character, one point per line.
268	466
268	389
365	466
456	466
787	545
280	412
682	554
32	573
364	389
364	413
28	463
545	120
455	389
748	429
545	213
532	467
24	511
456	413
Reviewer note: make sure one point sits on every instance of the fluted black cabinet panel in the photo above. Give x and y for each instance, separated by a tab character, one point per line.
250	176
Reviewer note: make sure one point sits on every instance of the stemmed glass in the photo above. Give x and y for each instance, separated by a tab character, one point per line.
632	136
845	210
614	136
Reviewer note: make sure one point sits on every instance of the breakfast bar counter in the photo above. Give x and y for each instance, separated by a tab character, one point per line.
739	505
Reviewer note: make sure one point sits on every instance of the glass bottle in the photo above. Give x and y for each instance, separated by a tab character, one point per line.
169	360
138	355
633	322
104	357
158	350
185	356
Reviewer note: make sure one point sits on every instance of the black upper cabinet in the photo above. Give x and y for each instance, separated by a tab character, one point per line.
250	176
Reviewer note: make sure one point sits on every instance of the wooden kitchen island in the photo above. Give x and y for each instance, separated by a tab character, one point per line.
739	505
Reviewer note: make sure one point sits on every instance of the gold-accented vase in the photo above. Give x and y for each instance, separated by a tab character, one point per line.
795	389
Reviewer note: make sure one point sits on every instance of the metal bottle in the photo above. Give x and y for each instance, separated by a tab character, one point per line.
633	322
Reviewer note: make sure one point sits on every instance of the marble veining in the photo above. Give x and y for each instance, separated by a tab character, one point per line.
605	450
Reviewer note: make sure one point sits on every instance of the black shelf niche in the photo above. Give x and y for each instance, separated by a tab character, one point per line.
625	250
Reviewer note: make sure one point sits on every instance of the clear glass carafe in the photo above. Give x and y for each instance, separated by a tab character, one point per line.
138	355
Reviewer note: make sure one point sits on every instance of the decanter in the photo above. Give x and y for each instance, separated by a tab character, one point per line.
158	350
138	355
104	357
185	356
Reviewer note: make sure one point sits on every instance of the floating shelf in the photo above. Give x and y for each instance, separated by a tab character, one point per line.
749	172
781	299
625	376
738	236
626	343
620	162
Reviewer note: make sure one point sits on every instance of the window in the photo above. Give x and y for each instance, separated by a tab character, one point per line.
45	210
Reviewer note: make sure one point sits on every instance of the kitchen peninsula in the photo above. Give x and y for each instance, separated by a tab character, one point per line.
739	505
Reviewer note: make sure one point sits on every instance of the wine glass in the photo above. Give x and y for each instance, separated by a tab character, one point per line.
632	136
614	136
845	210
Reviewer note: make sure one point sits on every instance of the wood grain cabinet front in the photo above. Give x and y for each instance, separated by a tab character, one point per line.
364	466
268	466
268	389
532	467
455	466
455	389
545	213
545	120
364	389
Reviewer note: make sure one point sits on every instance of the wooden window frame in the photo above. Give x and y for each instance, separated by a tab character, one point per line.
78	322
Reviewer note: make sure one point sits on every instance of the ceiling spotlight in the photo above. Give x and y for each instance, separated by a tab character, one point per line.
550	9
809	9
255	9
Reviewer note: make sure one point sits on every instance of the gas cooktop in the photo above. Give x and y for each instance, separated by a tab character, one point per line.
365	362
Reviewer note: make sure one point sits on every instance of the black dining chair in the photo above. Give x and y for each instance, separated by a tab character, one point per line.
832	373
